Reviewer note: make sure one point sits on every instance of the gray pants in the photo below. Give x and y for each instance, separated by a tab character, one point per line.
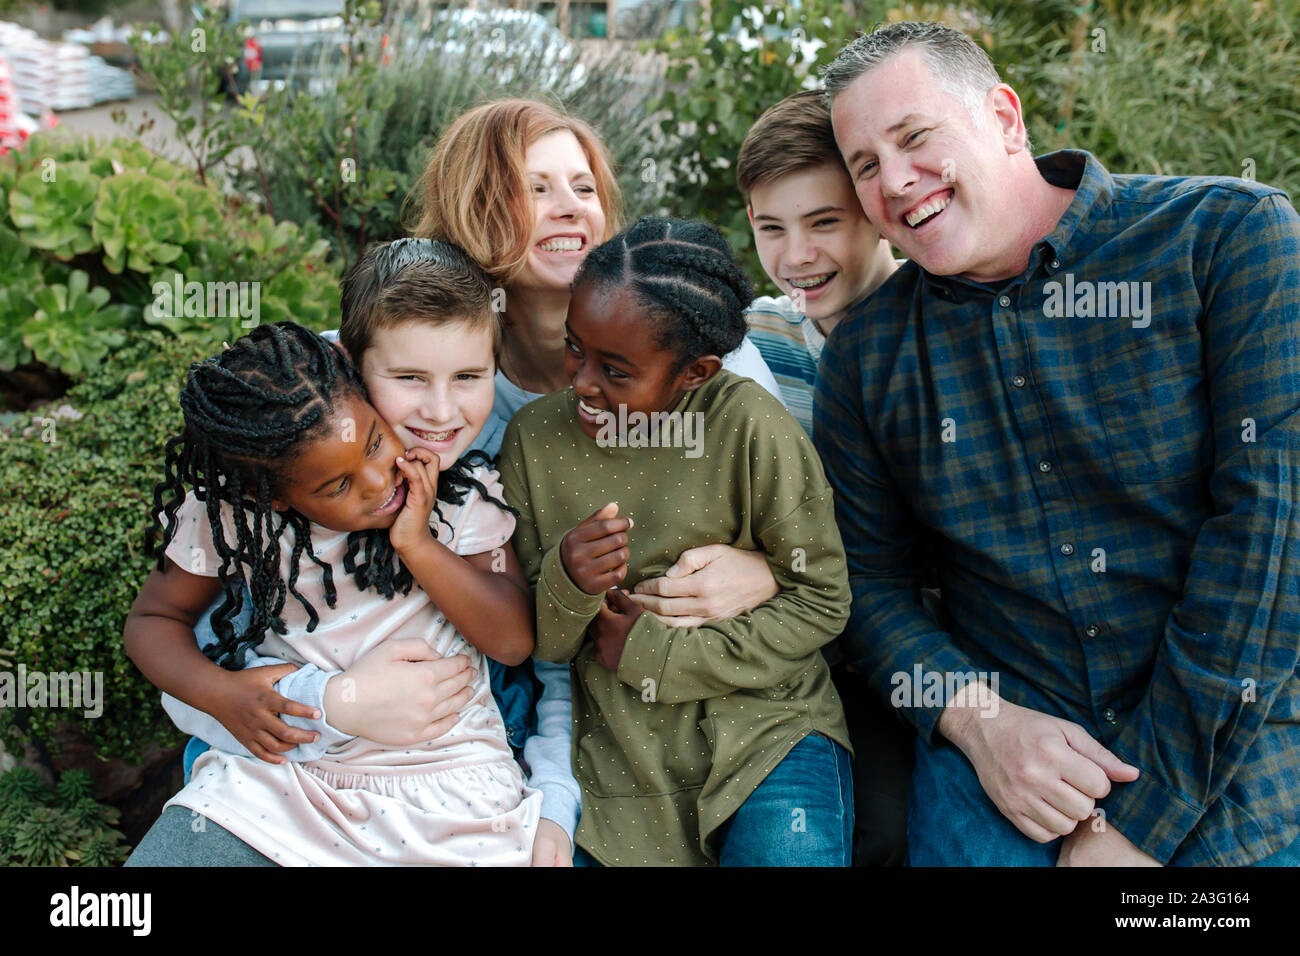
181	837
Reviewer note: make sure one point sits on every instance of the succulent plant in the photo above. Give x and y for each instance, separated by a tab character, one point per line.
139	221
74	326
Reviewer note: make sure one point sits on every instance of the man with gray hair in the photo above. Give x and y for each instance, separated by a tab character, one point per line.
1103	484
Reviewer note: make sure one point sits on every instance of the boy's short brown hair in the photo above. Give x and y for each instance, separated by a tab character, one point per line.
793	135
414	280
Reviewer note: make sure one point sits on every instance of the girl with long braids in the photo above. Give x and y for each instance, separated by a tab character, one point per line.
724	741
287	483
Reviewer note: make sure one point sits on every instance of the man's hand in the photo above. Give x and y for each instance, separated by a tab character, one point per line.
551	846
250	708
611	625
1096	843
711	583
399	693
595	553
1043	773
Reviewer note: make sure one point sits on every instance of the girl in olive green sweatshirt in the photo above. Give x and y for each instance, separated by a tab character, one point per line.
724	742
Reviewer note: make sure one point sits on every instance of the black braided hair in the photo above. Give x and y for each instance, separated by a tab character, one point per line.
685	274
248	413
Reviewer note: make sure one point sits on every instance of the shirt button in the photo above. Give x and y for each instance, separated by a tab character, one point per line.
1018	381
1044	466
1004	301
1109	715
1056	263
1067	549
1092	630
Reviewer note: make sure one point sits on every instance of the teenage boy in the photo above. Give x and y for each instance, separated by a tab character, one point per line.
813	241
817	246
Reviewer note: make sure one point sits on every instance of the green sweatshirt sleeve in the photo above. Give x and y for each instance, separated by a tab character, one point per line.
773	643
563	610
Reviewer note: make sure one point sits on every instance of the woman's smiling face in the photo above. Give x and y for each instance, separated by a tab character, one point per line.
569	219
612	358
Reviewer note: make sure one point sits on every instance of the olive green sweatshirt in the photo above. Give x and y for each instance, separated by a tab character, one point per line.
669	746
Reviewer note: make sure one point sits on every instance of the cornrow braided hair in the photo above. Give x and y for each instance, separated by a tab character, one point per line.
684	272
249	412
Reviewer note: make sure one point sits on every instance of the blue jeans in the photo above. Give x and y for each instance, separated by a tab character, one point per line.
952	822
800	815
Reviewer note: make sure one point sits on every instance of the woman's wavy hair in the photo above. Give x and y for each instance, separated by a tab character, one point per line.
474	191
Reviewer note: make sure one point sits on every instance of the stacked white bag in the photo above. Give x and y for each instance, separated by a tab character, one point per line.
32	63
11	136
50	75
71	76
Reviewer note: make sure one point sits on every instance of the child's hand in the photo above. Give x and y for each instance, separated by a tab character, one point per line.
611	625
250	708
411	529
595	552
551	846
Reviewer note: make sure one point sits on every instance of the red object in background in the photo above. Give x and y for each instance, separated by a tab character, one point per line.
383	45
252	54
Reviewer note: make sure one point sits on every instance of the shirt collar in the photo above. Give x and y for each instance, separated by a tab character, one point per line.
1094	188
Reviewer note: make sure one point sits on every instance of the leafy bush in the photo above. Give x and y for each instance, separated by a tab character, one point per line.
1193	88
722	74
75	500
88	232
345	162
59	827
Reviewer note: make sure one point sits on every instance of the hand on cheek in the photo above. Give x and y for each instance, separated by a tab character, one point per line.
411	529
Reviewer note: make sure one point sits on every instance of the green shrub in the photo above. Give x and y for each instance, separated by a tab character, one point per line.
718	85
75	500
59	827
1193	88
89	232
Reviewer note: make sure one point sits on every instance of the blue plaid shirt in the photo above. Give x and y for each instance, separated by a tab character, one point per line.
1099	462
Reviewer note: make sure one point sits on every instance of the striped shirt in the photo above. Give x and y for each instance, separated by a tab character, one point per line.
791	344
1100	461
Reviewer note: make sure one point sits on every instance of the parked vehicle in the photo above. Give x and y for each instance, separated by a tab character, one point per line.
287	41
